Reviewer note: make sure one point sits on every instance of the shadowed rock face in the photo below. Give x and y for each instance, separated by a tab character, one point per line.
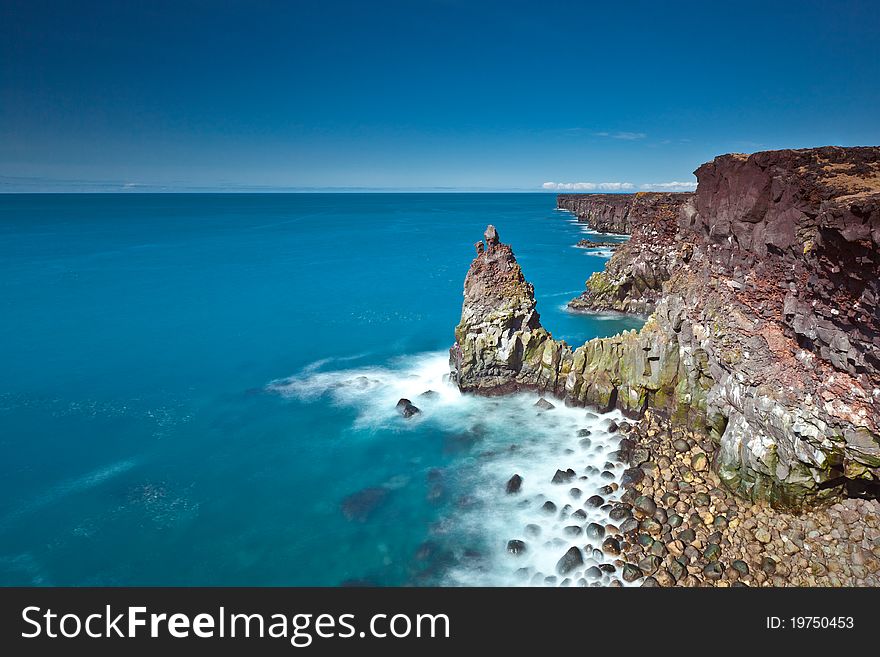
765	333
617	213
633	278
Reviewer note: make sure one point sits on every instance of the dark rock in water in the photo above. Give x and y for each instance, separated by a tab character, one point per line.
619	512
569	561
514	484
573	530
550	580
406	409
436	492
632	476
593	573
607	568
563	477
611	427
575	493
544	405
583	433
427	551
533	530
516	547
361	505
590	415
591	244
565	510
585	443
549	507
650	582
459	443
611	545
467	502
429	394
606	490
595	531
631	572
607	476
521	573
580	514
595	501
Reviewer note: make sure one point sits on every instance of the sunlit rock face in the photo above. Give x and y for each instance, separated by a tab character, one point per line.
765	331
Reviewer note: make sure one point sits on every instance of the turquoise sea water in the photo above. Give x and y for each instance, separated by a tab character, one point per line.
194	387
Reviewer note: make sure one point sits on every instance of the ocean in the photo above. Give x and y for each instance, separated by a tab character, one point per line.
200	390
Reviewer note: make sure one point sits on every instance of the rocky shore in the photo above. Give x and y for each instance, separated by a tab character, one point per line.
755	382
632	281
682	527
765	330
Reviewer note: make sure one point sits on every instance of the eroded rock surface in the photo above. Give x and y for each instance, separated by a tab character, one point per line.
632	281
765	333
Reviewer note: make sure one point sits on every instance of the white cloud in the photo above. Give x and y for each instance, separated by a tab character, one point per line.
628	136
588	186
673	186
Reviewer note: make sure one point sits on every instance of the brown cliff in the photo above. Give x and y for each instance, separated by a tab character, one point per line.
765	334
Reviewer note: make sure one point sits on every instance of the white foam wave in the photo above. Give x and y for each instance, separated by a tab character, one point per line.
512	437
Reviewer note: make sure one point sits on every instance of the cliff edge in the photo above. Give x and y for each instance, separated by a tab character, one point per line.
765	331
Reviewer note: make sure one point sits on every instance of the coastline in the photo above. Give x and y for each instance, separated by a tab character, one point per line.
719	491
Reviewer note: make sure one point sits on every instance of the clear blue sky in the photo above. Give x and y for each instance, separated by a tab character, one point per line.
427	93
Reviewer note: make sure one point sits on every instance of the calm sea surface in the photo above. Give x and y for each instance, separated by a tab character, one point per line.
200	389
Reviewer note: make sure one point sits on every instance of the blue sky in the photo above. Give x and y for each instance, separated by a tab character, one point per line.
252	95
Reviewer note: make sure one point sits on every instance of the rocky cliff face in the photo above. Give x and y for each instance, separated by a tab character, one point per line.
616	213
607	213
765	332
633	279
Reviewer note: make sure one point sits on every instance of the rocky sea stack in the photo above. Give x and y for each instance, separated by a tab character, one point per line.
764	333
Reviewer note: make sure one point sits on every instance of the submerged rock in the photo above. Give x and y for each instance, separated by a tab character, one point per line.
514	484
406	408
563	476
361	505
570	560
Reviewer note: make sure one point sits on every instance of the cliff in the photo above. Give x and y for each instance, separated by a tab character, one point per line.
633	278
616	213
765	332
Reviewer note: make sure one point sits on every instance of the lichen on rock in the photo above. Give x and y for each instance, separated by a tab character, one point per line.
764	333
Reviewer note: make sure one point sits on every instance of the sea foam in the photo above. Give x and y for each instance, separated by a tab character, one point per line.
514	437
